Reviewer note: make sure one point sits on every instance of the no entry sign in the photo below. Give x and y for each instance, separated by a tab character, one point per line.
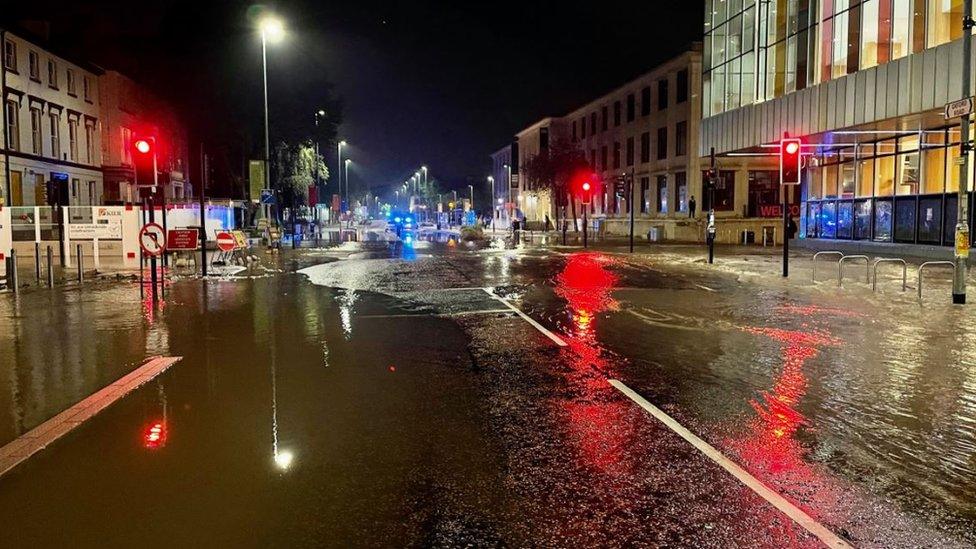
152	239
226	241
182	240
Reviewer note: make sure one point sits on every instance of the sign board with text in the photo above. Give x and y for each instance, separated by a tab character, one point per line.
182	240
255	173
959	109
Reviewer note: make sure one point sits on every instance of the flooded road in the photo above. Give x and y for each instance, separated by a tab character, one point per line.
376	401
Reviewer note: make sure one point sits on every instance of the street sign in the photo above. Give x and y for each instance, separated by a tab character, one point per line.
959	109
152	239
267	196
240	239
182	240
226	241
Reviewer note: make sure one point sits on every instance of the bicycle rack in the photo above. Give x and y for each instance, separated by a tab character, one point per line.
904	272
931	264
817	255
840	267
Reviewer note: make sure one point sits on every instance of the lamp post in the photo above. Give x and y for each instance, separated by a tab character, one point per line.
491	182
471	189
272	30
318	182
962	210
339	147
345	166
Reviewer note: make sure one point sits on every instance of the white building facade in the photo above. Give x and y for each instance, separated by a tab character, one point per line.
864	84
51	128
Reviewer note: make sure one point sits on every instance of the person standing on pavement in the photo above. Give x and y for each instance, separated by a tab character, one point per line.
791	228
692	206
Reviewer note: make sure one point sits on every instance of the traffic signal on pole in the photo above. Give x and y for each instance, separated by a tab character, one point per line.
586	192
789	161
144	160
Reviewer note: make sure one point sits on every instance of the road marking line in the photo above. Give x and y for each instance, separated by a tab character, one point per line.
825	535
439	315
706	288
17	451
556	339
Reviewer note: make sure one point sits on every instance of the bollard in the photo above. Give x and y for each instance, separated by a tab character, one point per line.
81	270
15	280
50	268
37	262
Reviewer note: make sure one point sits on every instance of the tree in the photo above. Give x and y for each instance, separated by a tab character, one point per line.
553	170
297	167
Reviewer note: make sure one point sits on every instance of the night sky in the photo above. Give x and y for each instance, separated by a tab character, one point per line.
421	82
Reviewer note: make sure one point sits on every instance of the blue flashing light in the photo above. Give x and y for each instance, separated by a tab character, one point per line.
397	219
388	214
408	240
409	220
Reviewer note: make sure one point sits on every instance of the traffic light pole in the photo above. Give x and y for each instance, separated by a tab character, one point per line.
962	213
710	227
786	230
631	202
585	207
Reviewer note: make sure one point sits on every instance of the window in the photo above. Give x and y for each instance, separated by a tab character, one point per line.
10	55
723	193
90	142
603	158
70	80
645	146
661	198
645	186
681	139
575	137
604	123
616	155
944	21
126	150
662	94
662	143
582	124
682	83
630	151
901	21
631	108
52	73
681	191
34	66
86	82
13	124
55	118
36	144
593	123
869	34
616	113
646	101
73	139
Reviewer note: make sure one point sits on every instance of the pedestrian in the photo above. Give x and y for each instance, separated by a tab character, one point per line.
791	228
548	225
692	206
516	227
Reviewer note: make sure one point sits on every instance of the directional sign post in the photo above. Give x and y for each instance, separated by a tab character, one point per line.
959	109
152	239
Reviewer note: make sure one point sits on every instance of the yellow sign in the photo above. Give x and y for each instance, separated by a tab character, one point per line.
962	243
240	239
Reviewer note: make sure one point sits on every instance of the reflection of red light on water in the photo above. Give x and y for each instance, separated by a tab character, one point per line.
155	436
586	285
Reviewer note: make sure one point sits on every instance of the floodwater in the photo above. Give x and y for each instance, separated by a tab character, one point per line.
378	401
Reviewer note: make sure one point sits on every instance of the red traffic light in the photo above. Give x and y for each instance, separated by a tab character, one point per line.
789	161
155	436
143	146
586	186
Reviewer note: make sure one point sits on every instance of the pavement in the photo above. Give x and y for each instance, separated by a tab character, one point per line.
491	396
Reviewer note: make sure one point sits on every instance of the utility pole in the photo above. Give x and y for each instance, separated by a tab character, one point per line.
203	210
631	203
962	214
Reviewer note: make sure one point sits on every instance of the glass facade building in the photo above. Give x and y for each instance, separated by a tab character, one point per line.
760	50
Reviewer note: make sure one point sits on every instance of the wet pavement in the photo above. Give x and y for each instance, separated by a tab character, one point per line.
370	400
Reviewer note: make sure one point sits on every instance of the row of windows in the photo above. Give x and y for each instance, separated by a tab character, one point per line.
53	130
661	151
924	219
580	130
653	200
53	71
759	51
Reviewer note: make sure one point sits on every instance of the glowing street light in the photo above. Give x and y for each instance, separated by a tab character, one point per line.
272	30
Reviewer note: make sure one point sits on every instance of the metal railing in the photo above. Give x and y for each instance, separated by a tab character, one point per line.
904	272
817	256
922	267
840	268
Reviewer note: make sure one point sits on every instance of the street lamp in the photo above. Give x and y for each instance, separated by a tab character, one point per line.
339	147
272	30
318	184
491	181
345	165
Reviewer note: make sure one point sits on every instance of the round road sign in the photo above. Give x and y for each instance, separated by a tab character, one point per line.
152	239
226	241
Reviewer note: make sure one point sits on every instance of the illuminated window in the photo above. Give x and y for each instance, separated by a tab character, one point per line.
73	138
934	163
36	144
13	124
55	119
10	55
944	21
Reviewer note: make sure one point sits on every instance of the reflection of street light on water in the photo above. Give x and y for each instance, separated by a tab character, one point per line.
282	458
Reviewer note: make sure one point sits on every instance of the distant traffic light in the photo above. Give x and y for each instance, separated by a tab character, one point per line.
789	160
144	160
586	196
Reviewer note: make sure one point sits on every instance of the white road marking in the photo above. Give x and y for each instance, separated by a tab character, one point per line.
439	315
20	449
556	339
799	516
706	288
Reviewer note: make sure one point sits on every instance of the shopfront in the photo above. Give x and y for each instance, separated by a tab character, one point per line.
898	189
